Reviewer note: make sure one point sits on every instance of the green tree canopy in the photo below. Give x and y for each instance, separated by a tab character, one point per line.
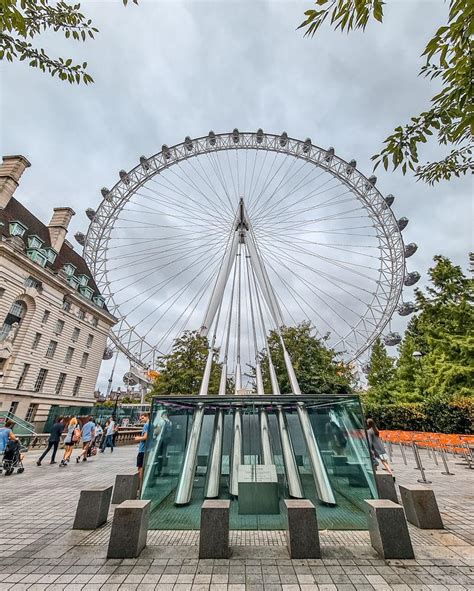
316	366
449	61
381	374
182	370
22	21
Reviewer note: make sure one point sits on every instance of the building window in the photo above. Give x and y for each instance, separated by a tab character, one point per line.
66	306
37	256
34	241
60	383
83	280
85	357
69	269
94	321
32	282
13	407
13	319
81	314
77	385
2	291
51	349
59	326
87	292
75	335
36	341
17	229
22	378
40	380
51	254
69	354
45	317
73	282
31	412
99	301
90	338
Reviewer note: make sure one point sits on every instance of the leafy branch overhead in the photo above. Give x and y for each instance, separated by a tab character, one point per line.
450	117
22	21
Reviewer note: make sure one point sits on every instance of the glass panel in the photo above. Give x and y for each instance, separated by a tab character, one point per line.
339	442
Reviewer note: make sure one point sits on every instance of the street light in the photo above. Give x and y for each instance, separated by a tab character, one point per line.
118	394
417	355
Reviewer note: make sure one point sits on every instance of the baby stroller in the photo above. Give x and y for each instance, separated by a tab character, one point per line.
12	458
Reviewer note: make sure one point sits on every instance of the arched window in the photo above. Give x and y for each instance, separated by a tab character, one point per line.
15	316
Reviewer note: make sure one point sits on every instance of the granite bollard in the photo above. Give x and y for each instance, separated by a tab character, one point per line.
125	488
129	529
214	532
302	533
386	487
420	506
92	508
388	529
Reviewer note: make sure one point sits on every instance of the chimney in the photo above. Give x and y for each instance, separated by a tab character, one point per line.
10	172
58	226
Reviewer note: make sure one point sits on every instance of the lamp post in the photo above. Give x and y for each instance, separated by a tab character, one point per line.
418	356
117	396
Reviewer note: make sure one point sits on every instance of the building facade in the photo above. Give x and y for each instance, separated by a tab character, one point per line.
54	324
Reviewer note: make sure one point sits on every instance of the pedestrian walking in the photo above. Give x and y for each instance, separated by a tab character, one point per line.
376	446
53	441
99	431
109	435
145	419
87	434
72	437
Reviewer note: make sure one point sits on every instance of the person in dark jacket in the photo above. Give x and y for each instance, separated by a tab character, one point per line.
53	441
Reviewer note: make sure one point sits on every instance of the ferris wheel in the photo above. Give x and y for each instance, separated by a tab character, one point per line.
235	234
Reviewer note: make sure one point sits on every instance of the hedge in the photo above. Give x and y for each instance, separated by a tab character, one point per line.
441	416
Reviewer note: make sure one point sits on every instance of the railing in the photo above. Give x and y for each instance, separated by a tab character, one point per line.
38	441
28	427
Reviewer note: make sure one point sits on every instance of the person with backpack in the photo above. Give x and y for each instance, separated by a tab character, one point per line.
72	437
53	441
145	419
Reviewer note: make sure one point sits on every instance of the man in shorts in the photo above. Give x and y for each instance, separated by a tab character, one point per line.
87	434
145	419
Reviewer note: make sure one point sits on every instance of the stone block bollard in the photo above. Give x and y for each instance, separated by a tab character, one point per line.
421	507
214	532
125	488
386	487
129	529
93	508
388	529
302	533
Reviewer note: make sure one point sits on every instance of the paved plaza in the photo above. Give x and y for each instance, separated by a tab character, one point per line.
39	550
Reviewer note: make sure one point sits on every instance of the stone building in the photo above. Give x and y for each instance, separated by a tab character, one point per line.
53	321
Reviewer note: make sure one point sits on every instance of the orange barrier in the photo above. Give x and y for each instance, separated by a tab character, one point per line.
454	443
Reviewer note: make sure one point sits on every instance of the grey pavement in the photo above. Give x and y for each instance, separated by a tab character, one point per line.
39	550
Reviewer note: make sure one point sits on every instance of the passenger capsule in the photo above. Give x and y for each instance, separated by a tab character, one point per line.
411	278
108	353
307	145
212	138
235	136
90	213
402	223
105	192
329	154
80	238
144	163
366	368
410	249
392	339
283	139
166	151
259	136
351	167
406	309
389	199
188	143
124	177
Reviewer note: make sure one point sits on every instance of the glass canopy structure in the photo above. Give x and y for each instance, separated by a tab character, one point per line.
257	451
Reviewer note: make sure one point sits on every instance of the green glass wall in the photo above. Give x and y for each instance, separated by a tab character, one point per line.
337	423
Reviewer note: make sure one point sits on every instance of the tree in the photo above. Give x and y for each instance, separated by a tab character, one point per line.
316	366
381	374
24	20
409	383
449	60
182	370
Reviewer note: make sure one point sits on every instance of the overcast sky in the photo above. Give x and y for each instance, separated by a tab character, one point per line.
165	70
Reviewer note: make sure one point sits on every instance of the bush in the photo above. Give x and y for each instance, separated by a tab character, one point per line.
435	415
